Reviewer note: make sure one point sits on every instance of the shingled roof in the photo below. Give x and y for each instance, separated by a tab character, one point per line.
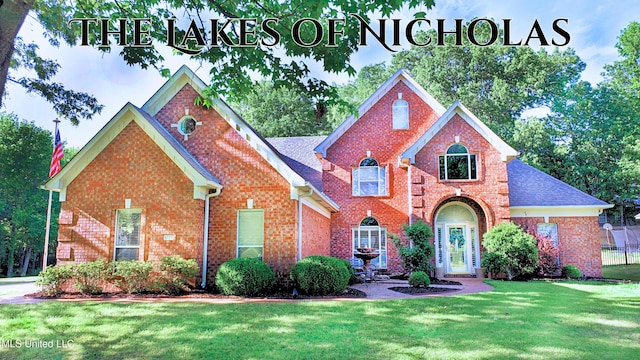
298	153
179	148
529	186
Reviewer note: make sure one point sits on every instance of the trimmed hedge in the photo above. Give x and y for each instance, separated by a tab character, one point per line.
89	276
245	277
571	272
321	275
419	279
132	276
171	275
175	274
53	278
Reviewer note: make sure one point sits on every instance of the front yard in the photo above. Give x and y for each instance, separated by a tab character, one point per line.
535	320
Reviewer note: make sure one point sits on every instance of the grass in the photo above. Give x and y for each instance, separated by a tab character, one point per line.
627	272
534	320
17	280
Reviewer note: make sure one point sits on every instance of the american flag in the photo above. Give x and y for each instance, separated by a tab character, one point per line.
57	155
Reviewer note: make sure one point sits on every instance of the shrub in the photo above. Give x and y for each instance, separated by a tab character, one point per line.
89	276
244	277
320	275
131	276
548	264
547	256
53	278
417	257
175	274
419	279
510	250
571	272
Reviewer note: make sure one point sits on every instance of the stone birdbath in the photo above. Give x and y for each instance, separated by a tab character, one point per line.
366	254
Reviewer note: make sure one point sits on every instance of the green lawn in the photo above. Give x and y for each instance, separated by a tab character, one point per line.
17	280
628	272
535	320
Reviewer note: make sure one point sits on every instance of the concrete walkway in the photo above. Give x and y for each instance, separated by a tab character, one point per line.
14	293
380	289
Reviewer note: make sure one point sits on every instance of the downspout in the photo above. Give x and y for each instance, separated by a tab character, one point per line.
409	197
300	222
205	237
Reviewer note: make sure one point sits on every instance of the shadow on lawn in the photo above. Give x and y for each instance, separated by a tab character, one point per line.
541	320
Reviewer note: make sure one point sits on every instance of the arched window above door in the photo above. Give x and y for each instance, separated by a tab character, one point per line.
458	164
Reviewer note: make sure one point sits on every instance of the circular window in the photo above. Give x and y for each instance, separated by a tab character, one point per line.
187	125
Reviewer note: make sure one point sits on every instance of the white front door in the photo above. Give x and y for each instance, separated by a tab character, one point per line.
457	249
456	242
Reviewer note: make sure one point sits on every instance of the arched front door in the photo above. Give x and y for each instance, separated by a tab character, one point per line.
456	241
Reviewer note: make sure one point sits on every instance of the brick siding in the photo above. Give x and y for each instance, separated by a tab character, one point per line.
132	167
373	132
316	231
579	241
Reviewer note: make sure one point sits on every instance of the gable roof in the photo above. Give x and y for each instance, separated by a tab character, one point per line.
400	75
532	192
298	153
457	108
202	179
173	148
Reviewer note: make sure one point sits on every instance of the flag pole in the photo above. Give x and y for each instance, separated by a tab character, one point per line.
45	255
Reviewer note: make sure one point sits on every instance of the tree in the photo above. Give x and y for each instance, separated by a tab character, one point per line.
416	252
625	73
232	63
25	150
355	92
14	54
26	153
497	83
510	250
276	112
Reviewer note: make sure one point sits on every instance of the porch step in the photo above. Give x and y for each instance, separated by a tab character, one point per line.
460	276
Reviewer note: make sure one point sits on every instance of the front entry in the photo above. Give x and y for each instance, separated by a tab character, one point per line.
457	244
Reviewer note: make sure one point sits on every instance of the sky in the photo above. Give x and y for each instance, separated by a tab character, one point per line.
593	26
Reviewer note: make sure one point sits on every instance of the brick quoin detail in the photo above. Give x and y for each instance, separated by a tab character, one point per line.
374	132
579	241
490	190
132	167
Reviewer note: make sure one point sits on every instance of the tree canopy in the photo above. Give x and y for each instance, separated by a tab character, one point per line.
587	135
233	64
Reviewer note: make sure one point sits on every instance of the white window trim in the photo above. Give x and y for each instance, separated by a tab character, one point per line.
115	237
382	180
396	105
238	246
446	163
355	234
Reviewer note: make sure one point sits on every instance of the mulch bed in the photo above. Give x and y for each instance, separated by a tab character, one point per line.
421	291
198	294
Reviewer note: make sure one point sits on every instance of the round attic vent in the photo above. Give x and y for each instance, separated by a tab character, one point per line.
187	125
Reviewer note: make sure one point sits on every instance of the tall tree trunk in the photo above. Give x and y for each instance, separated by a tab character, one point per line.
10	262
25	262
12	15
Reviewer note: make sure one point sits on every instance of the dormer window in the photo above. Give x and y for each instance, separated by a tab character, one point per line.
369	178
458	164
400	114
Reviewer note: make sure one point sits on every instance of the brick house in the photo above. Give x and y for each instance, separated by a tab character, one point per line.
172	177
